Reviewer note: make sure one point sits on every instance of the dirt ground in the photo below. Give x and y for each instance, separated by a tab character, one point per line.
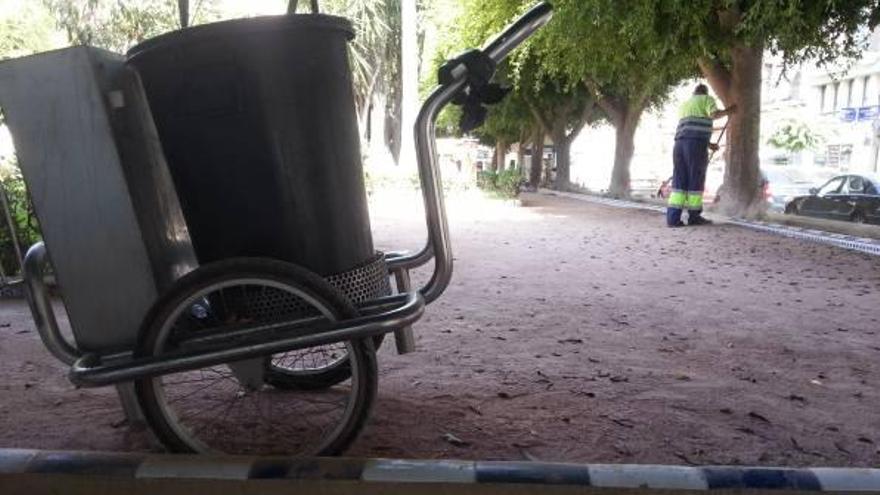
580	333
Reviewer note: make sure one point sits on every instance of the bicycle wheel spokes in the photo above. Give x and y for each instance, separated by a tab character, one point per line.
224	408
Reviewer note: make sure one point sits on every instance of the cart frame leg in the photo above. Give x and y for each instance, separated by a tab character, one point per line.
130	407
404	339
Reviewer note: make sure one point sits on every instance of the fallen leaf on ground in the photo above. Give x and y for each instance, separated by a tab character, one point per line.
454	440
623	422
754	415
528	456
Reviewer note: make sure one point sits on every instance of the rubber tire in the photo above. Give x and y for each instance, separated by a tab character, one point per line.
858	217
259	268
792	209
326	378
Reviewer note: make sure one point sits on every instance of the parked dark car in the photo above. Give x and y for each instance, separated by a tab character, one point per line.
852	197
786	182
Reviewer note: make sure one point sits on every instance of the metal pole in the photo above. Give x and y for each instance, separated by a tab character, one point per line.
404	339
183	9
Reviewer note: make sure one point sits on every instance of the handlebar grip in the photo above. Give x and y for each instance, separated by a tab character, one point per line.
518	31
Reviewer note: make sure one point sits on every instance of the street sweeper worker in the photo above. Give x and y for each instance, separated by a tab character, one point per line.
690	156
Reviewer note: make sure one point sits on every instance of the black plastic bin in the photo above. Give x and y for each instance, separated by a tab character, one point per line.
257	120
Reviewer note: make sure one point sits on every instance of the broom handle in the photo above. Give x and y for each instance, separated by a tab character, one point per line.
718	143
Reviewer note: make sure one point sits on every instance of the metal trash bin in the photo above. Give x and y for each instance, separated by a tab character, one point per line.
262	108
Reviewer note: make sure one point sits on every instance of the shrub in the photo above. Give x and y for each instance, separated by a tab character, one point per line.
505	184
27	230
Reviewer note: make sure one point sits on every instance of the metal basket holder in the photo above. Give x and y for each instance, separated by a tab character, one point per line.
87	175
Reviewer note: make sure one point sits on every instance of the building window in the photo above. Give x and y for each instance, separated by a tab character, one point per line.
838	97
833	90
857	92
838	155
795	87
827	98
872	93
864	101
848	85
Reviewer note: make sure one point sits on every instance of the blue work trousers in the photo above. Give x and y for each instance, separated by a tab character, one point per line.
690	158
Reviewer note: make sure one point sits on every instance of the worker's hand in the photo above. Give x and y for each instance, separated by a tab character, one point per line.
713	146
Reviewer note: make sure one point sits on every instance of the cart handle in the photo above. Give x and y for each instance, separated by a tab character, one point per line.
41	306
438	246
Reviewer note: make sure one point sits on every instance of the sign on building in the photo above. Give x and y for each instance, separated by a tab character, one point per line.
859	114
867	114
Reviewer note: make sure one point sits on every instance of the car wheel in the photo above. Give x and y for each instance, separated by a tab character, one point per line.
858	217
792	209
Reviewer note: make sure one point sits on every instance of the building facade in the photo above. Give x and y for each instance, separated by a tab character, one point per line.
838	105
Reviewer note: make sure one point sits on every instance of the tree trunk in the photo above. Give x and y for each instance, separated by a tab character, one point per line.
409	85
742	195
624	144
562	146
537	165
520	155
498	159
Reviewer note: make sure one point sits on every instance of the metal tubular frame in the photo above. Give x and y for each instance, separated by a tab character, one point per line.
41	306
404	339
87	372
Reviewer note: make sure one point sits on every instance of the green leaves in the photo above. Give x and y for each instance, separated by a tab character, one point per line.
794	136
799	30
375	50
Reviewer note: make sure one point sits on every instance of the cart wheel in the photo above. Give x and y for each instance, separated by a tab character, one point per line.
228	408
313	368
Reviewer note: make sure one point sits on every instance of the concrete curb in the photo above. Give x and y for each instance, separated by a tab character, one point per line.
853	243
448	472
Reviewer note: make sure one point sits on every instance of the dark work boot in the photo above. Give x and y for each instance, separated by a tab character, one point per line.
673	217
698	220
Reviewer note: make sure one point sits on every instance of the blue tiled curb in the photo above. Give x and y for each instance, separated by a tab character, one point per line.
853	243
146	466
